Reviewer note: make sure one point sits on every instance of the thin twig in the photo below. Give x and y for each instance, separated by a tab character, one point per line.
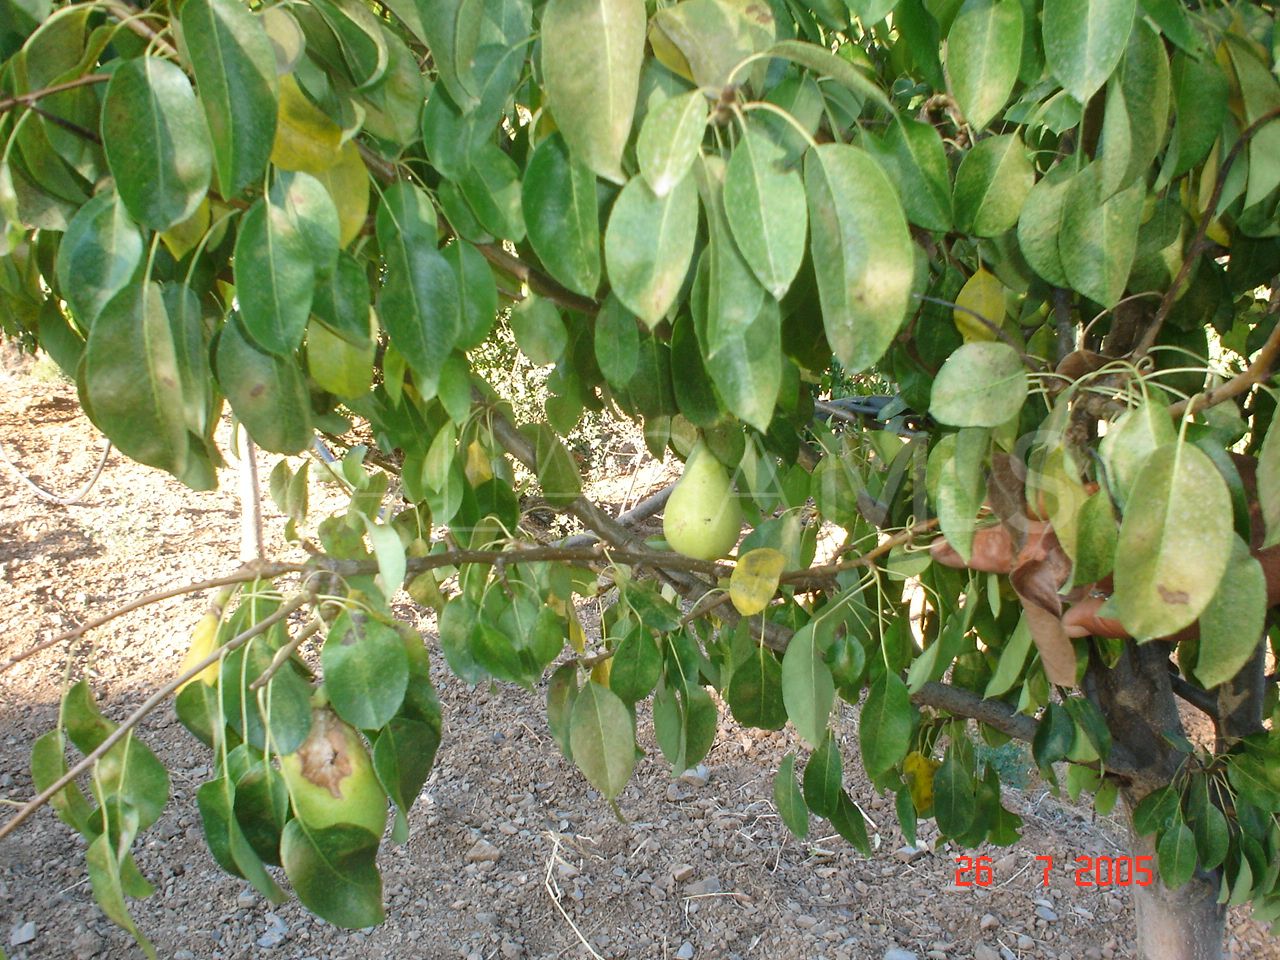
126	728
284	653
132	20
53	498
245	575
27	99
1256	372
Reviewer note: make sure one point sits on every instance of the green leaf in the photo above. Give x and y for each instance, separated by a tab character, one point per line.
268	393
341	300
539	330
1172	19
311	211
48	764
1099	235
557	473
1200	95
491	187
1256	779
755	691
886	724
982	384
991	185
1269	485
823	779
1144	77
1212	837
1096	535
808	690
862	252
419	302
459	621
954	796
826	64
132	382
592	51
788	798
1130	440
1177	855
389	552
104	877
984	46
1260	93
558	197
602	740
705	41
236	75
98	257
156	142
733	296
637	666
764	203
477	293
617	343
275	277
227	842
402	757
1040	224
334	873
1084	40
1232	624
670	140
1180	509
1013	656
366	670
452	29
912	153
648	245
961	487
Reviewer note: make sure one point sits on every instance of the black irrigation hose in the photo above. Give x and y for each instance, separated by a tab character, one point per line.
44	494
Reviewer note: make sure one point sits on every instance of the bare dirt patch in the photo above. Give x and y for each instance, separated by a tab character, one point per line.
512	854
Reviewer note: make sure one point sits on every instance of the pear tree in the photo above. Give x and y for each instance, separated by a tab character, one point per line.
985	289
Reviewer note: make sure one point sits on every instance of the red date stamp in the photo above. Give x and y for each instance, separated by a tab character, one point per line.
1099	871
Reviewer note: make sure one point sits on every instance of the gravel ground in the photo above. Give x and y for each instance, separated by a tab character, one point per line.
512	854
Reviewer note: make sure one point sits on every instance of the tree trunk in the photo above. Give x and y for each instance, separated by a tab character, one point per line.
1183	924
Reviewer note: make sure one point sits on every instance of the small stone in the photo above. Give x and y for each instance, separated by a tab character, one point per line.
682	872
702	888
696	776
184	955
988	922
245	899
483	852
1047	915
909	854
685	952
567	871
676	793
487	918
22	933
984	952
1025	942
510	949
897	953
88	944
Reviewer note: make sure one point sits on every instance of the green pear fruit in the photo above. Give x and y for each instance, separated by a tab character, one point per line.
702	519
331	779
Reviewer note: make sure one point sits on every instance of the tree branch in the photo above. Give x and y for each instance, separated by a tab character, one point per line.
255	571
27	99
132	20
150	704
1256	372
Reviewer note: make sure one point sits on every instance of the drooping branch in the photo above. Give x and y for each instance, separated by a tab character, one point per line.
27	99
153	701
246	574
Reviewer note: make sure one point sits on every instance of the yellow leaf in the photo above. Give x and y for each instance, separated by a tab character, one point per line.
478	470
919	771
577	636
755	579
306	139
668	54
348	184
982	294
182	237
204	640
601	671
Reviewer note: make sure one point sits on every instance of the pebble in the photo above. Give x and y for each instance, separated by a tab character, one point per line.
1047	915
483	852
909	854
988	922
1025	942
704	887
22	933
897	953
245	899
984	952
682	872
88	944
685	952
697	776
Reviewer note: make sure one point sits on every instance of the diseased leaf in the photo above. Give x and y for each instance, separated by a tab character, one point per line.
1099	235
100	254
591	56
984	46
670	140
268	393
982	384
1084	40
601	739
993	181
764	203
558	197
1232	624
1180	508
755	579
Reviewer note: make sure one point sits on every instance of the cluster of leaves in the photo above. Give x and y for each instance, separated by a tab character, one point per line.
1040	220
